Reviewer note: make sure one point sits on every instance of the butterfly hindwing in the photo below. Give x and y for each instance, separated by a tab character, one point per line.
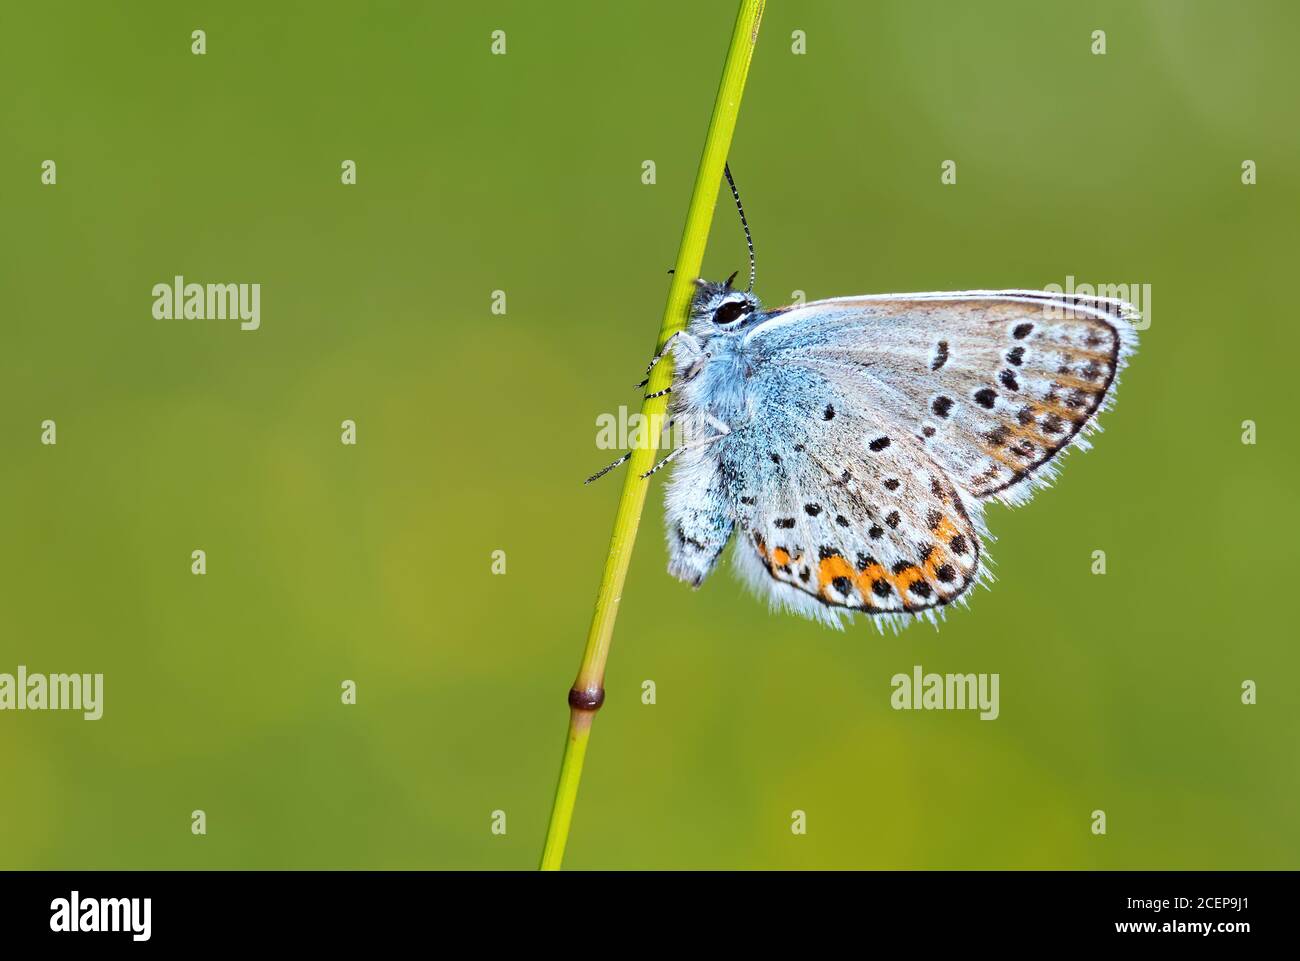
841	510
994	384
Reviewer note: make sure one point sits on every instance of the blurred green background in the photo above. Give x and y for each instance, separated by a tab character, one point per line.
523	173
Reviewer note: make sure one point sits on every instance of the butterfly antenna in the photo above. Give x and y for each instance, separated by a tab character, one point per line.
749	241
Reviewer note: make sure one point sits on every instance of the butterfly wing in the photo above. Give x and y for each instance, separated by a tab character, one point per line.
840	508
992	384
698	514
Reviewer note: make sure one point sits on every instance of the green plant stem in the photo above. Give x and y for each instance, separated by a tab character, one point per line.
588	691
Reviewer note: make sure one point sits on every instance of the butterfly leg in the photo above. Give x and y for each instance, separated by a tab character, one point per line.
665	462
626	457
717	425
672	454
681	336
691	373
605	470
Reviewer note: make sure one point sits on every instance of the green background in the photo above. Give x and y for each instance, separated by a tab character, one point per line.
523	173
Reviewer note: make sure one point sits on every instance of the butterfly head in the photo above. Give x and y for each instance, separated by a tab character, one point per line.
718	309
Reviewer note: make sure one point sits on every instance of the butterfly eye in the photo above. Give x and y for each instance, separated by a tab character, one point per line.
729	312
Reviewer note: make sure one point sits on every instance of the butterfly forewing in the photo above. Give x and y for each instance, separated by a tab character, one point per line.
992	384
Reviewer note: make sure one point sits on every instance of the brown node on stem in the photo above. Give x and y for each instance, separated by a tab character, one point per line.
588	700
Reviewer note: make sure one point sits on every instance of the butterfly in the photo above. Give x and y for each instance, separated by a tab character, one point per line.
850	444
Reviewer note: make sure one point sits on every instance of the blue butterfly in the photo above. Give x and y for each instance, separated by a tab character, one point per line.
851	443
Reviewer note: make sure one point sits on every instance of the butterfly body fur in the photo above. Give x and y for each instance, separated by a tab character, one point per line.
851	443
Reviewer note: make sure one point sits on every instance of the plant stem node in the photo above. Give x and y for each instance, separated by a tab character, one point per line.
588	700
